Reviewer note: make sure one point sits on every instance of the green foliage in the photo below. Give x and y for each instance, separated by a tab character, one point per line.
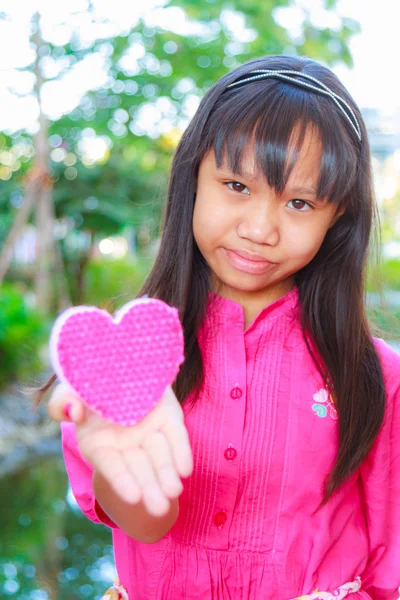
110	156
22	331
385	322
388	276
107	197
129	182
111	283
46	543
384	310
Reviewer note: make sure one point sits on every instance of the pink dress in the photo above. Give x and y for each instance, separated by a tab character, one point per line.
264	434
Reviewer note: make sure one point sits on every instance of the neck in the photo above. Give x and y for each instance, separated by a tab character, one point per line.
253	302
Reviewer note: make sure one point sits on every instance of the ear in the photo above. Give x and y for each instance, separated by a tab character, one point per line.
337	216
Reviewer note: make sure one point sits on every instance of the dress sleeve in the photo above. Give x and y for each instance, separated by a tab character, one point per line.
80	473
380	476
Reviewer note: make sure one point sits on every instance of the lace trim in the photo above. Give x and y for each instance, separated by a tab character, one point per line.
340	593
118	592
115	592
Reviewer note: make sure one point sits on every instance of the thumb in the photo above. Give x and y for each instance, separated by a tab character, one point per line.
66	405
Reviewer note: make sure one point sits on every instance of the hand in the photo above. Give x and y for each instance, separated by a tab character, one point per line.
143	462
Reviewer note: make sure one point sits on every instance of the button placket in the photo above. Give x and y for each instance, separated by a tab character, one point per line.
233	392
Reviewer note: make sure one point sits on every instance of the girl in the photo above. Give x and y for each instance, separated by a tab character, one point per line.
285	417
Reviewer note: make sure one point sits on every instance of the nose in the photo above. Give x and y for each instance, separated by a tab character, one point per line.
260	223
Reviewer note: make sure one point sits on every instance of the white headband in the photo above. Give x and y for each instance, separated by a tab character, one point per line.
292	77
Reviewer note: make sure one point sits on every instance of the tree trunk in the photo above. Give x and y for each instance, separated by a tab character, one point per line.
46	272
44	206
21	219
38	194
63	295
48	559
82	265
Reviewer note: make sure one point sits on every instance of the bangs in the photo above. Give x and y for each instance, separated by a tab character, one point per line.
272	117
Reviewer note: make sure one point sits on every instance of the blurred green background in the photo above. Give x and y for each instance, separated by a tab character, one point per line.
99	99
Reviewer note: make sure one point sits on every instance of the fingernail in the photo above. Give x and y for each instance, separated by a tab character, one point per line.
68	410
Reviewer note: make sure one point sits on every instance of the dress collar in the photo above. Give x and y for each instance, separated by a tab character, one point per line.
228	309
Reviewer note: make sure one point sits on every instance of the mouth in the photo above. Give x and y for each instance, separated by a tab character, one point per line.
247	262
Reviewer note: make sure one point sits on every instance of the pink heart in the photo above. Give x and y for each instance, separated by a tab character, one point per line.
119	367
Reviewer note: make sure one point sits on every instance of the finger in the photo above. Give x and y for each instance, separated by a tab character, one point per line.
66	405
113	468
160	455
171	401
141	469
178	439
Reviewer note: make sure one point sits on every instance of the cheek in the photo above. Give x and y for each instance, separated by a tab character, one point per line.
303	243
209	224
199	225
203	229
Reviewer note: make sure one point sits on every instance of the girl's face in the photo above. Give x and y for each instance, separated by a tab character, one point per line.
253	239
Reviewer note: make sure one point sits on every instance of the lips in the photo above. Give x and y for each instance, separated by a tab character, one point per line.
250	256
247	262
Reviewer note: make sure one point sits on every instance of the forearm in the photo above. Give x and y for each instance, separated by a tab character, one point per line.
133	519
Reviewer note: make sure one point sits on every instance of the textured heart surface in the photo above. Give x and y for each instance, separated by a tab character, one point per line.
120	367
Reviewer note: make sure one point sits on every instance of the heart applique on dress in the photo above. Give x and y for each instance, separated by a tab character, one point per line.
120	367
324	405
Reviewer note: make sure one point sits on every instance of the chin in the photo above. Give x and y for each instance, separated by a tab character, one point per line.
246	284
252	284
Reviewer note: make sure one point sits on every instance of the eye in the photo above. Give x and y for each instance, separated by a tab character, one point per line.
235	186
300	205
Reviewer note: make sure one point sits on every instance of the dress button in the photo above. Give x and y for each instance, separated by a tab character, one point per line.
236	392
230	453
220	519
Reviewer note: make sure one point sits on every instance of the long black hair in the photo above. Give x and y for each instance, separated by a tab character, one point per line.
332	286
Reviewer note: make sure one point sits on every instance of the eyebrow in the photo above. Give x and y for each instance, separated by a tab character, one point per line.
240	173
296	190
304	190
